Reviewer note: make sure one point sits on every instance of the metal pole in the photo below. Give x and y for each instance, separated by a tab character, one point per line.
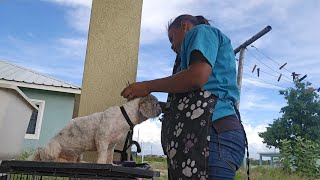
253	38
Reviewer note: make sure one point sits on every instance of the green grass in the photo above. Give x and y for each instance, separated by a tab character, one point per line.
25	155
264	173
259	173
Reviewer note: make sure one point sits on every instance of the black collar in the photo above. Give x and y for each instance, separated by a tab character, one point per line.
125	115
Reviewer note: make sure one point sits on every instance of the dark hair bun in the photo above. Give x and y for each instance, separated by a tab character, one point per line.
202	20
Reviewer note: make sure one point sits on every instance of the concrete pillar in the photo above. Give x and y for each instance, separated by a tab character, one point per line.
271	161
112	54
260	160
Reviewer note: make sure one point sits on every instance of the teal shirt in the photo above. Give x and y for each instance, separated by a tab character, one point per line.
217	49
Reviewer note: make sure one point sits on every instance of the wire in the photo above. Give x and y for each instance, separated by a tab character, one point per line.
257	49
269	74
264	81
266	64
270	58
271	68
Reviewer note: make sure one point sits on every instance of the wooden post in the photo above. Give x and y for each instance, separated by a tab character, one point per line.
240	71
242	48
260	160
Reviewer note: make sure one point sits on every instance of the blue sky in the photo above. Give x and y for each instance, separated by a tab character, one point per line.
50	36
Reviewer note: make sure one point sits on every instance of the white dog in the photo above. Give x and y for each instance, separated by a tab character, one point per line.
97	132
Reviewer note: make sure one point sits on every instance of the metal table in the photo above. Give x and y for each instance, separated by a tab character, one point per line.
44	170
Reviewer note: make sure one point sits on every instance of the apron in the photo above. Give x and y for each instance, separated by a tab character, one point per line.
185	132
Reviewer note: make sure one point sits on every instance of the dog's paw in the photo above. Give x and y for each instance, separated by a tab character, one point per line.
172	149
196	110
203	175
178	129
183	103
189	141
205	152
205	94
188	168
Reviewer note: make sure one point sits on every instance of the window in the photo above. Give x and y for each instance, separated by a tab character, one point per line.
34	127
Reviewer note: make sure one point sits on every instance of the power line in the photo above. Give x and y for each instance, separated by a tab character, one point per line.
269	74
266	64
273	61
264	81
270	58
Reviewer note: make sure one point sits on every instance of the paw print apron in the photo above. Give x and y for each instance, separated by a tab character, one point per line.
185	132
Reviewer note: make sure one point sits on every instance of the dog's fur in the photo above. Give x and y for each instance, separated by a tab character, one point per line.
99	131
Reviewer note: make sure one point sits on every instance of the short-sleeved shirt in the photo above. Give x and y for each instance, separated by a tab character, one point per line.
217	49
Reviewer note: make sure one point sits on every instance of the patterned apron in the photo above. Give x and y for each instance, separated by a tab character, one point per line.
186	131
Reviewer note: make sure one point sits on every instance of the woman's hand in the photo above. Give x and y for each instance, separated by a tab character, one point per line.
135	90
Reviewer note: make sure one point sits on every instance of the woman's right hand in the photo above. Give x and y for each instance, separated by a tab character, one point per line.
136	90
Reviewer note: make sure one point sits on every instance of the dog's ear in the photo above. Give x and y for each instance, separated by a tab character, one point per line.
149	106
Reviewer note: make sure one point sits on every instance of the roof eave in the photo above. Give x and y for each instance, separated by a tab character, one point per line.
42	87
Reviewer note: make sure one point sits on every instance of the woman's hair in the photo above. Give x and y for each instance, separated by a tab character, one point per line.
194	20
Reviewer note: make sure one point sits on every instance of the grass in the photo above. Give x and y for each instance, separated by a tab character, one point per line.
265	173
25	155
258	173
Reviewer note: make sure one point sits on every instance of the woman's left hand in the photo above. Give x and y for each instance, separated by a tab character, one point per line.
135	90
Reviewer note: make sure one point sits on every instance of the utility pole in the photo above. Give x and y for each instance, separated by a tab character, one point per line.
241	49
240	70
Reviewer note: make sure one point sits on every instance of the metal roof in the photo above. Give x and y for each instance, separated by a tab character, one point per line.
24	77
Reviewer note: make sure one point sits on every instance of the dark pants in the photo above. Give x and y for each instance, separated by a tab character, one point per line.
226	153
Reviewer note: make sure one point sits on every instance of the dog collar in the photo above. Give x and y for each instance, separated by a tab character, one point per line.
125	115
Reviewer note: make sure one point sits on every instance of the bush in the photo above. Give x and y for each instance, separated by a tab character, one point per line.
300	155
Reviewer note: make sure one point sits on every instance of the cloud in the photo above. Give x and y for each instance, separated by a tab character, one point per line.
259	102
255	142
73	47
79	18
154	20
260	84
62	58
148	135
73	3
78	13
238	20
152	66
148	131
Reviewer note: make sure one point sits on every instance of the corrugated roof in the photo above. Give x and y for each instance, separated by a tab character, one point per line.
12	72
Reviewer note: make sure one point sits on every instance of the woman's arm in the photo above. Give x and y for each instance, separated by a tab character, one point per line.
187	80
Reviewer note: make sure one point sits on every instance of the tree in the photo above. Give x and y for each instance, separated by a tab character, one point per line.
300	117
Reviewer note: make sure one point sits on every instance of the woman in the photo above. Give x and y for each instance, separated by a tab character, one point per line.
201	133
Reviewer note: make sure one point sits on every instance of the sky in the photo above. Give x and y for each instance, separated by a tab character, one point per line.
50	36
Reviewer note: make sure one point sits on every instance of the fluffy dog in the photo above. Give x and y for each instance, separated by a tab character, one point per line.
97	132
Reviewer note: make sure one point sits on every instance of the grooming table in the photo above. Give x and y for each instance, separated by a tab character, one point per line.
46	170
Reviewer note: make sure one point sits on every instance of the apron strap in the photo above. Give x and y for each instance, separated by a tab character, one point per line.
246	141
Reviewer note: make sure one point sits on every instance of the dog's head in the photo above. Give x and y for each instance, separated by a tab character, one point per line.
149	106
41	154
